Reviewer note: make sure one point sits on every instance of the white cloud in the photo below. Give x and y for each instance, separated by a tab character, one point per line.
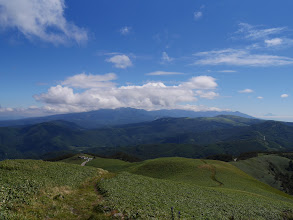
260	97
163	73
165	58
207	95
16	113
200	82
284	96
90	81
6	109
120	61
152	95
197	15
40	19
246	91
197	108
279	42
253	32
240	57
266	37
274	42
125	30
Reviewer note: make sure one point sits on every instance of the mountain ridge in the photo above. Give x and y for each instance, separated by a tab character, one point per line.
119	116
186	137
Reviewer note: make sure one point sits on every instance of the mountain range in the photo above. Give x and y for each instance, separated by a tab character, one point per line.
119	116
165	136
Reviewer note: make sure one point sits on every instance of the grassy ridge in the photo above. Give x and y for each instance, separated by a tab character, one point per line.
205	189
265	168
113	165
199	189
31	189
150	198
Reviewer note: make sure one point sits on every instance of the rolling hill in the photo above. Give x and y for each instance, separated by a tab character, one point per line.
198	189
274	170
162	188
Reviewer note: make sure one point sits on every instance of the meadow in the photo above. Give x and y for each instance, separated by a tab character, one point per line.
198	189
270	169
163	188
32	189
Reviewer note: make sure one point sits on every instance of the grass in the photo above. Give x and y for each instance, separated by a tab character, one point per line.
112	165
198	189
259	168
205	189
31	189
150	198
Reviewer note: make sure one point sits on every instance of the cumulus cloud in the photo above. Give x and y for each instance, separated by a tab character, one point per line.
240	57
163	73
207	95
90	81
260	97
200	82
125	30
246	91
40	19
120	61
284	96
149	96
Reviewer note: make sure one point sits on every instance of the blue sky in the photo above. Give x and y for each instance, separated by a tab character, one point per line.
69	56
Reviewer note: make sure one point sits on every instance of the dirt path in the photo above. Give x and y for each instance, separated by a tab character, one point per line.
84	163
213	170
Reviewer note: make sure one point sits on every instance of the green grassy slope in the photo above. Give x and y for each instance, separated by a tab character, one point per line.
113	165
202	172
31	189
205	189
150	198
265	167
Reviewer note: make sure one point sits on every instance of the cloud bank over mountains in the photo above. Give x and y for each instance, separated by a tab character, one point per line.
101	92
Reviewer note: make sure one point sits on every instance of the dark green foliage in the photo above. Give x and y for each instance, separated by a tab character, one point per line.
270	168
247	155
290	167
184	137
221	157
61	157
286	178
119	155
124	157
